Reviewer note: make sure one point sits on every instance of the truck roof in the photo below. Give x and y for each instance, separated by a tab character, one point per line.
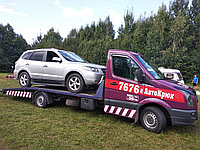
121	51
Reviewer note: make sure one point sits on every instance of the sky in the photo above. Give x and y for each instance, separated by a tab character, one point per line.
32	17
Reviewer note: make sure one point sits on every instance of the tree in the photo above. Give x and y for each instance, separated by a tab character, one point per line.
179	6
37	41
126	32
71	42
128	27
158	37
177	55
195	52
51	40
11	47
169	38
139	42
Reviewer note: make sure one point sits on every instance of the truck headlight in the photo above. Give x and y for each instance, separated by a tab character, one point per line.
189	99
93	69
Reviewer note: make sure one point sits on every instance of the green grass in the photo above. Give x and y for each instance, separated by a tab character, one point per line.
25	126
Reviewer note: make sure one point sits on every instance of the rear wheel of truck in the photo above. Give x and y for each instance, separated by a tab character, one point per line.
40	99
153	119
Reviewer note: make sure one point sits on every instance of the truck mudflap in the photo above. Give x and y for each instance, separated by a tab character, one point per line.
182	117
125	112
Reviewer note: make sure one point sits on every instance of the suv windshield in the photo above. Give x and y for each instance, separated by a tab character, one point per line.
180	76
153	70
69	56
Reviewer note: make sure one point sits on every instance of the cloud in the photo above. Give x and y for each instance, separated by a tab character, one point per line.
116	18
12	4
83	13
10	11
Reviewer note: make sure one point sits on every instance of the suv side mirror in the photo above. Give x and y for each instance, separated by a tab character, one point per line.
56	59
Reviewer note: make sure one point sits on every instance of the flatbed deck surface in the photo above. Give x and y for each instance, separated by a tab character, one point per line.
91	94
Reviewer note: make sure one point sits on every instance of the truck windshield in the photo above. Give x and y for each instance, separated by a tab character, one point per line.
69	56
153	70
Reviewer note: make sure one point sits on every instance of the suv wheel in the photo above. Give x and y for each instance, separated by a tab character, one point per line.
75	83
24	79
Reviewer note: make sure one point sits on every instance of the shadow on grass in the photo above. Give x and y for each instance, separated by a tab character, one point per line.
99	110
189	129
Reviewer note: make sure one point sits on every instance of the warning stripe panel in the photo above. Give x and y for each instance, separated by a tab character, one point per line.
19	93
125	112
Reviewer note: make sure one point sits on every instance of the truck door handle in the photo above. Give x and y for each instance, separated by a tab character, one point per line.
27	64
114	83
45	66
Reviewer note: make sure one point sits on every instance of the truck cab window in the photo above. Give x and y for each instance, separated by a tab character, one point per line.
124	67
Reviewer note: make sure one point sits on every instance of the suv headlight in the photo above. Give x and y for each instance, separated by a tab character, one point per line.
93	69
189	98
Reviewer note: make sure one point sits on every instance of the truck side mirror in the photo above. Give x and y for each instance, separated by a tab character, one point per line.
139	75
142	77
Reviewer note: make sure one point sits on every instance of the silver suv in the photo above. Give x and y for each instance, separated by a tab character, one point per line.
58	68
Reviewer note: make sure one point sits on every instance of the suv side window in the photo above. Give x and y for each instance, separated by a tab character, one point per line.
26	55
50	56
124	67
37	56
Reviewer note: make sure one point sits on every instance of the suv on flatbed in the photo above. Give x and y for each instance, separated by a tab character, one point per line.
58	68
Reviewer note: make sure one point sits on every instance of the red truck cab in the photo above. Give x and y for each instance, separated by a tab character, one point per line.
136	89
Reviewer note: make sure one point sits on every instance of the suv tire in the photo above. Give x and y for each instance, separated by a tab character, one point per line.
75	83
24	79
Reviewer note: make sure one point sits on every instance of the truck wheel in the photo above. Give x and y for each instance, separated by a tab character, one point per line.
153	119
24	79
40	99
75	83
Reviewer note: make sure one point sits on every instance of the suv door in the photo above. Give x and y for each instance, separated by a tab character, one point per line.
53	69
35	64
122	89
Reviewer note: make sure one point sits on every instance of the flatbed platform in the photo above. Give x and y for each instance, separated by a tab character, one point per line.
27	92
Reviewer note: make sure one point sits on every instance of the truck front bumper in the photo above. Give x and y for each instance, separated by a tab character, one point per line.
183	117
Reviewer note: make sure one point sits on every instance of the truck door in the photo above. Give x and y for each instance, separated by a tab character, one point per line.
122	88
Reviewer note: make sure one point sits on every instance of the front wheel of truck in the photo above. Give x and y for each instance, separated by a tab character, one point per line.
153	119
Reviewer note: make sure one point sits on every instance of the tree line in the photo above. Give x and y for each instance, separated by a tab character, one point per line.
170	38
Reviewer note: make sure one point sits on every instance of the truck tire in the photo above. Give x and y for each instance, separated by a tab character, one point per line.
153	119
75	83
24	79
40	99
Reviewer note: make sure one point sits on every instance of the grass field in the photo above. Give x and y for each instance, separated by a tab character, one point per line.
25	126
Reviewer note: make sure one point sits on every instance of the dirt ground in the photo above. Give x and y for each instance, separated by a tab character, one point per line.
2	147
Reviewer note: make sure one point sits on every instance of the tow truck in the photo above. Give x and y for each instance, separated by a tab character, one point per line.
132	88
